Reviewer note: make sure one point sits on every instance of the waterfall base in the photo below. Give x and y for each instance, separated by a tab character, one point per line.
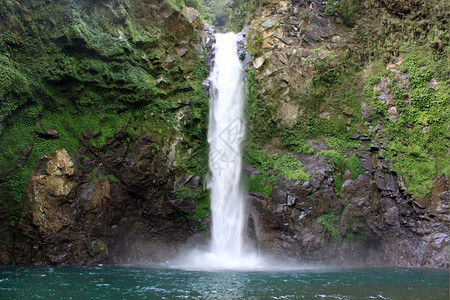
197	260
200	260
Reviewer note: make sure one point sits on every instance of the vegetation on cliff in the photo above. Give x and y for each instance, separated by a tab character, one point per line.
385	81
75	74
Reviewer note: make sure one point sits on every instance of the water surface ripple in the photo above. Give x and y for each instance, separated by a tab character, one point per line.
113	282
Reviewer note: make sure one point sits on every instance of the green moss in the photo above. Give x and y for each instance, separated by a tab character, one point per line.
197	4
352	232
327	78
94	175
291	141
198	217
262	184
254	46
202	209
14	87
354	164
178	4
340	100
100	246
255	185
264	123
183	192
343	145
340	230
265	182
289	167
111	177
331	106
94	76
419	140
284	165
344	9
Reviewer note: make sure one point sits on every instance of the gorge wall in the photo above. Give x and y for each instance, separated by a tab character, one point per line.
348	155
103	131
102	119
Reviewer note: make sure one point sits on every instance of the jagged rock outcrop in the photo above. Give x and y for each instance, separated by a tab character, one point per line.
373	223
285	39
80	220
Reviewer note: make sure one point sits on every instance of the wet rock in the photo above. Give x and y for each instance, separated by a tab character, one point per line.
355	137
50	134
302	191
248	170
50	193
278	196
374	148
185	204
290	201
60	164
366	162
258	62
390	211
386	183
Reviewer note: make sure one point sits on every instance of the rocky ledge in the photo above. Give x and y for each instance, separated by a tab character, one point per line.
374	222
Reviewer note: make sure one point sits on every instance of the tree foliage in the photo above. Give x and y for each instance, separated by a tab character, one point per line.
228	15
216	12
241	11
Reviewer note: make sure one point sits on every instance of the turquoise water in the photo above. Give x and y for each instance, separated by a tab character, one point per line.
112	282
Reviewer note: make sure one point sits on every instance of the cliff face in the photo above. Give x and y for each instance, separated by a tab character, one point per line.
357	95
102	130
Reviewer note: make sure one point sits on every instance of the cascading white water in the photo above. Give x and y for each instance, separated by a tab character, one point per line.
225	137
226	133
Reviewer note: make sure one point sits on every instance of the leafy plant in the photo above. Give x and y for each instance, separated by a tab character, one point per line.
291	141
338	165
288	166
344	9
354	164
327	221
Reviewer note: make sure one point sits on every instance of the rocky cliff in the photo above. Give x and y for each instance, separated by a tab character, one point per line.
348	159
102	130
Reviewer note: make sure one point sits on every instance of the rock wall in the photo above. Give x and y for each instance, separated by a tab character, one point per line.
378	225
103	147
311	96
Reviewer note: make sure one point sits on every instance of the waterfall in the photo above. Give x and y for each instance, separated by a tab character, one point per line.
226	133
225	136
